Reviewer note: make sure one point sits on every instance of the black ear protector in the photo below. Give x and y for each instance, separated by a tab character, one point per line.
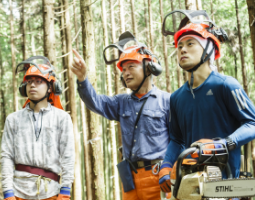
57	88
155	68
22	89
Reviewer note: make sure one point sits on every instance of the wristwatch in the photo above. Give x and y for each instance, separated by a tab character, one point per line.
231	145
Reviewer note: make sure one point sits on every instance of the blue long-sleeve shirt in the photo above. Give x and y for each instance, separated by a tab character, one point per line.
221	108
151	137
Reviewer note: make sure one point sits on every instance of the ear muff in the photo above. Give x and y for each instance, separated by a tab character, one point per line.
22	89
122	80
57	88
155	68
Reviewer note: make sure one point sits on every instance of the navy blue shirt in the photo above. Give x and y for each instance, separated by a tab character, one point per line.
151	136
221	108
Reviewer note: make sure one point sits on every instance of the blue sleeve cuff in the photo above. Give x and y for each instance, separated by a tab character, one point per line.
8	193
83	83
166	164
65	191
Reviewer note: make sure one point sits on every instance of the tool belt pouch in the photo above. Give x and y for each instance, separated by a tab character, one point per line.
126	175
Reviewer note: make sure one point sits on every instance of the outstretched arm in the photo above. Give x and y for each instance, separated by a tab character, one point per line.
101	104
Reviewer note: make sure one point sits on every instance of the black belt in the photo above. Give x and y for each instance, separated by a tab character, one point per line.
144	164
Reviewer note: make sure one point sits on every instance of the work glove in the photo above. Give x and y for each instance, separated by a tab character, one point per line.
214	144
64	193
164	177
9	195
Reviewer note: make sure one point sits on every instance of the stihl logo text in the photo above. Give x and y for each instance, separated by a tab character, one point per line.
223	189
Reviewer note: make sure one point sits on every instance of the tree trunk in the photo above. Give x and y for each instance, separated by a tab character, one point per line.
2	107
168	83
245	86
151	27
63	50
190	4
14	77
199	5
212	16
77	171
122	19
75	25
116	72
87	155
110	124
146	25
83	123
235	59
247	147
92	118
180	6
23	29
178	70
48	30
133	17
251	10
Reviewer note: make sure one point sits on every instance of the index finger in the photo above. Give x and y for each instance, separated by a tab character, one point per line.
77	54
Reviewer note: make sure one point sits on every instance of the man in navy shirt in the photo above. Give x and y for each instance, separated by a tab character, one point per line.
208	105
144	144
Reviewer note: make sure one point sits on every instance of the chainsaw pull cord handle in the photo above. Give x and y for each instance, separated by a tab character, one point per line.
183	155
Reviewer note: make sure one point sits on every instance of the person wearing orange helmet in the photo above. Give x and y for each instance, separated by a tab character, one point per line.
209	105
143	114
38	143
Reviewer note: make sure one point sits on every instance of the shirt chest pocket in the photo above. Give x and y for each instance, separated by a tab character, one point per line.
50	136
155	121
126	121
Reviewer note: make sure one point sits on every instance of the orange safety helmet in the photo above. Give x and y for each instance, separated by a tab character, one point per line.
45	71
134	54
35	71
200	29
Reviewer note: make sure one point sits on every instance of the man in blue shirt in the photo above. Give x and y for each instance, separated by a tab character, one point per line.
209	105
144	144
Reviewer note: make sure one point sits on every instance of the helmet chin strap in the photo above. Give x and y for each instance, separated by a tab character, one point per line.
202	61
145	76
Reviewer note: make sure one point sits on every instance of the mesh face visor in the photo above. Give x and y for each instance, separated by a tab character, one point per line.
35	61
177	19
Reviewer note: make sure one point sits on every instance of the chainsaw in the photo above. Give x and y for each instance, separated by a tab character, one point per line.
201	178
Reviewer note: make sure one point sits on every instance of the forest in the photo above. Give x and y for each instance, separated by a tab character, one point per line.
52	28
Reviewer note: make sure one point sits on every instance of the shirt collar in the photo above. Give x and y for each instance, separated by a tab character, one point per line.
153	92
42	109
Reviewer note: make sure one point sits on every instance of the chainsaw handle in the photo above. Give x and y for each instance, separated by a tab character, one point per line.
183	155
